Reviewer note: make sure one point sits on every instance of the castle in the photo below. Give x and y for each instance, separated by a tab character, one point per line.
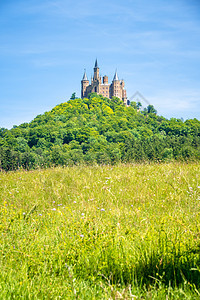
115	89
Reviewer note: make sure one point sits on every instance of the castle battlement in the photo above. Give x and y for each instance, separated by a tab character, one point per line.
114	89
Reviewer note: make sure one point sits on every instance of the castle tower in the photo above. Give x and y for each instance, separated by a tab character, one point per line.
96	71
96	79
84	85
105	79
116	89
124	97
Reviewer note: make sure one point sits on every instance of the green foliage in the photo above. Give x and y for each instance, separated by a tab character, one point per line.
106	132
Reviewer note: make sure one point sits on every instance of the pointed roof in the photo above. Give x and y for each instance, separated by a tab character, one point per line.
96	64
115	76
84	75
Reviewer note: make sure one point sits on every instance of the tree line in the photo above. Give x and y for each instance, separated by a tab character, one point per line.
98	130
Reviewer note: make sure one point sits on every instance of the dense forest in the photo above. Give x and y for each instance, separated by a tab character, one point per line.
98	130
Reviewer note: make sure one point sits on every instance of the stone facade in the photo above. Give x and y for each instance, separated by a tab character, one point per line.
115	89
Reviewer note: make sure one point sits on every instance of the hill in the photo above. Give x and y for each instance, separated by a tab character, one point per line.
98	130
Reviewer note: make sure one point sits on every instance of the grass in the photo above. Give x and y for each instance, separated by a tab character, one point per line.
109	232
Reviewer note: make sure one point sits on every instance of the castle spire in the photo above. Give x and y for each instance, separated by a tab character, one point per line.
84	75
96	64
115	76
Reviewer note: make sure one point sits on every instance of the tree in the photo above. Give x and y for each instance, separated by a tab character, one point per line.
138	105
73	96
151	109
133	104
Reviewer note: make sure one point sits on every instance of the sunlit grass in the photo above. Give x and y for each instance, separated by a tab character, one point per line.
101	232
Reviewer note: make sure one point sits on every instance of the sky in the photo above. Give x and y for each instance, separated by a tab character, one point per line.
45	45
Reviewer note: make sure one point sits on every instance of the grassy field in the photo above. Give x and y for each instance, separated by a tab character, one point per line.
110	232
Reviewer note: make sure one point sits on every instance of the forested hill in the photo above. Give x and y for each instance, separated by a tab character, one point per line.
98	130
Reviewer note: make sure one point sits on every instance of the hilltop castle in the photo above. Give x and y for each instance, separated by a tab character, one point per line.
115	89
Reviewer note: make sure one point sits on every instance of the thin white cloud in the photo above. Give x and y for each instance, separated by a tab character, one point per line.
182	101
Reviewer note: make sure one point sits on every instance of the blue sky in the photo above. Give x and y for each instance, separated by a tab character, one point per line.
46	44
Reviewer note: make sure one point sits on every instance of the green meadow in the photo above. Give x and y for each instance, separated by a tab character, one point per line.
127	231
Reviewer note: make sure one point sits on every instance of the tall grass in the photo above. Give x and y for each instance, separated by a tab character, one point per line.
126	231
